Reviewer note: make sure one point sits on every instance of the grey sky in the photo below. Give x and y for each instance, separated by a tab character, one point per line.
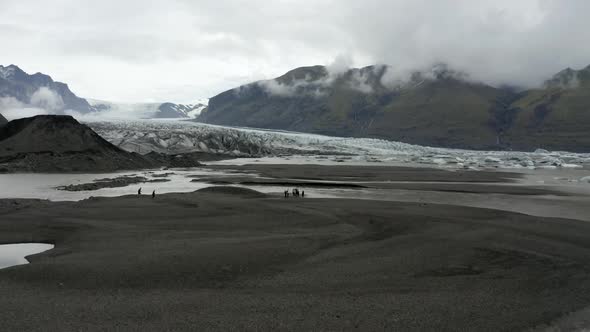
184	50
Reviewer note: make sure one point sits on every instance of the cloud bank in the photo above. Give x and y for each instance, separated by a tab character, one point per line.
182	50
42	101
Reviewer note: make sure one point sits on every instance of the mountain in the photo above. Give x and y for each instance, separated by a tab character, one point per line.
39	91
149	110
3	120
438	107
557	115
52	143
19	90
170	110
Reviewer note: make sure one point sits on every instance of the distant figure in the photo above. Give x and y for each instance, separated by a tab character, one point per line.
153	194
286	193
139	191
302	193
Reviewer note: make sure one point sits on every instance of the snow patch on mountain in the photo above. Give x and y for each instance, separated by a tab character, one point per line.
197	108
111	110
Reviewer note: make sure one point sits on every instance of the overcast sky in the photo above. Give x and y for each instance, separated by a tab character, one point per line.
182	50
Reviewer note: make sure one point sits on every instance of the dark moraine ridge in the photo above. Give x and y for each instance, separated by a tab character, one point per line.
53	143
59	143
121	181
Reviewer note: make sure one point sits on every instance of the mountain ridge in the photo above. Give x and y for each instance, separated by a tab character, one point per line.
39	91
436	107
153	110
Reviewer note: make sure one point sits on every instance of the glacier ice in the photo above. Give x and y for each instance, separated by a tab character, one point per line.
173	136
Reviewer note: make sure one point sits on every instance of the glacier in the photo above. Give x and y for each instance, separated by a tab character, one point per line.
106	110
175	136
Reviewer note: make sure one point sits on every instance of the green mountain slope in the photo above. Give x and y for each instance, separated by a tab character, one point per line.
436	108
556	117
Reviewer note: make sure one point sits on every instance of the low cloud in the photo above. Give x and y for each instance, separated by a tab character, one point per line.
43	101
397	78
306	86
363	80
275	88
21	112
47	99
340	65
10	103
213	46
117	111
318	86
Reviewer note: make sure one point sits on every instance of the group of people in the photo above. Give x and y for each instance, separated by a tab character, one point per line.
295	192
153	193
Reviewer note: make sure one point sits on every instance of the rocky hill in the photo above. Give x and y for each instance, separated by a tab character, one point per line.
3	120
53	143
439	107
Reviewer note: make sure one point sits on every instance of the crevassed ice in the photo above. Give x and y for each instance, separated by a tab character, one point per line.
143	136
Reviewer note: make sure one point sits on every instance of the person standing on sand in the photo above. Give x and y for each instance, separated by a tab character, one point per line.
153	194
139	191
302	193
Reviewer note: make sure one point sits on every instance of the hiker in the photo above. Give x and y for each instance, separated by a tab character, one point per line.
139	191
153	194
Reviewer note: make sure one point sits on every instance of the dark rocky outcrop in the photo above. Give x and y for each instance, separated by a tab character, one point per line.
58	143
121	181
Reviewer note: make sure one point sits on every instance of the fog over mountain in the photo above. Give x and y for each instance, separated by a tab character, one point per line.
24	95
185	50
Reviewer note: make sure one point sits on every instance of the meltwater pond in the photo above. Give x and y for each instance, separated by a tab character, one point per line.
45	186
14	254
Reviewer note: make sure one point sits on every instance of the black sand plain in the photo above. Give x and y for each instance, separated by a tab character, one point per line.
226	258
